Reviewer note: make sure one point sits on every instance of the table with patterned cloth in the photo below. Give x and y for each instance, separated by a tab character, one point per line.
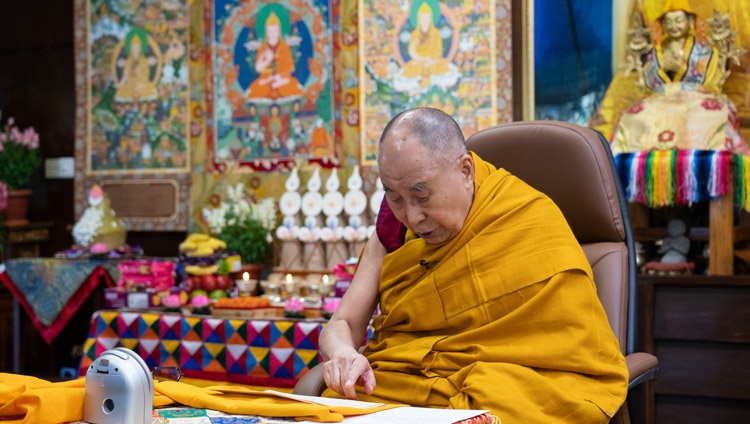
254	352
52	290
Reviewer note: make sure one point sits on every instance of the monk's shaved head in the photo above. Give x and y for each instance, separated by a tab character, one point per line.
436	131
427	175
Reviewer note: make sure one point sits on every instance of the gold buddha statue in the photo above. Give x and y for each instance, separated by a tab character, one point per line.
677	101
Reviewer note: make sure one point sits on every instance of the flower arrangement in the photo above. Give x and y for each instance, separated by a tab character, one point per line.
243	223
19	155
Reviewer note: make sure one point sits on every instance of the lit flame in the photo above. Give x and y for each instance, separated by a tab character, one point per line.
245	276
325	279
289	278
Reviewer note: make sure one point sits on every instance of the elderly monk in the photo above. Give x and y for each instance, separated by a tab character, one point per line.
486	298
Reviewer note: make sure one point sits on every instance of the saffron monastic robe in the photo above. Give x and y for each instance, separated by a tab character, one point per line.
504	316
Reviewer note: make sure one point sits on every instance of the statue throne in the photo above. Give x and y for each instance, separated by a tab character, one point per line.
676	135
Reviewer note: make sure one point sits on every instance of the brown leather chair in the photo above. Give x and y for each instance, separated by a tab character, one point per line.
573	165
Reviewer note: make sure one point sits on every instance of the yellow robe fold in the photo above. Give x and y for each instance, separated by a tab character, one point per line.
25	399
506	318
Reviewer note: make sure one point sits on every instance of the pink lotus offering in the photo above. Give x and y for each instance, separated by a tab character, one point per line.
294	305
201	305
329	306
172	301
200	301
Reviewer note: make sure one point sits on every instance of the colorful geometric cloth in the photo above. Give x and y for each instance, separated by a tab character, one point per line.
254	352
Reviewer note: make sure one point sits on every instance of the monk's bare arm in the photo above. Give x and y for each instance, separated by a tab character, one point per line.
343	335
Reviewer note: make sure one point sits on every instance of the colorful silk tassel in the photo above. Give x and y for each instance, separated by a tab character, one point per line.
683	177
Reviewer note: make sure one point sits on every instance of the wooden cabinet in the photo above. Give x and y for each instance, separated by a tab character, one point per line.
35	356
25	241
699	328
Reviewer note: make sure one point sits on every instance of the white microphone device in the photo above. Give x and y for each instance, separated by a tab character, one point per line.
119	389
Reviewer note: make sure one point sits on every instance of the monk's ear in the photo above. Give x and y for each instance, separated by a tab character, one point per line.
467	168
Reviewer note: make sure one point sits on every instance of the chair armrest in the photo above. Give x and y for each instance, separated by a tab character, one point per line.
641	367
311	383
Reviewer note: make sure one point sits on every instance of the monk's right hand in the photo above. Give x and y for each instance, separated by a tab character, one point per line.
347	369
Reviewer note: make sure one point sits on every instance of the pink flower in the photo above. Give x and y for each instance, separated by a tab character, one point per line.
330	305
172	301
29	138
200	301
294	305
19	155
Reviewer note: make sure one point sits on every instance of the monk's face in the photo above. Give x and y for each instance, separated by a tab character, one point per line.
432	197
676	24
272	34
135	48
425	21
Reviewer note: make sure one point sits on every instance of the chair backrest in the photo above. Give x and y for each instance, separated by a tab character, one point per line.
573	165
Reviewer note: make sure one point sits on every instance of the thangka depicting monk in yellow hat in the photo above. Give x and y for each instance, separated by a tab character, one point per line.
274	62
425	43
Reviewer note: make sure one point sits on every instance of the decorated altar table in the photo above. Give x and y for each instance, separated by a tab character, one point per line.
261	352
659	178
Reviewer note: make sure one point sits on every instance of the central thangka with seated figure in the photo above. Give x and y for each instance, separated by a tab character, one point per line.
674	132
273	86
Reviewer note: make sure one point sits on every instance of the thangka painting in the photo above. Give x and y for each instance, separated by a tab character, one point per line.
137	86
269	86
433	53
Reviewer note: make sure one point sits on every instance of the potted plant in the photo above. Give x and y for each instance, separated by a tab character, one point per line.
19	158
245	225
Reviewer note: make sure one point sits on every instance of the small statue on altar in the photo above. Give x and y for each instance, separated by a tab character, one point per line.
676	245
674	249
99	223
